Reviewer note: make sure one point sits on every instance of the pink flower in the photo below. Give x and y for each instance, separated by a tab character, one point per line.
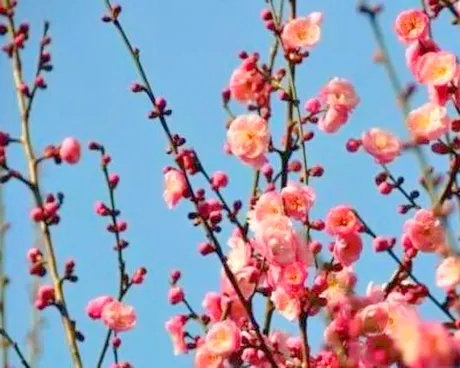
94	307
248	137
412	25
342	220
204	358
425	231
333	119
277	240
285	304
339	92
302	32
428	122
416	50
438	95
374	318
212	304
240	253
293	276
223	338
448	273
383	145
175	187
269	204
297	199
436	68
70	151
424	344
175	327
348	248
248	85
118	316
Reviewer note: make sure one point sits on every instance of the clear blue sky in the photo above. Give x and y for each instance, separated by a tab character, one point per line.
189	50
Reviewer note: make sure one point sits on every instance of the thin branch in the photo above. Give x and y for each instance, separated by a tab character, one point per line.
33	179
15	346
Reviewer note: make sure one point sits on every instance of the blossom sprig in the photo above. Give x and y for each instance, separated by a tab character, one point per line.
18	35
117	316
159	106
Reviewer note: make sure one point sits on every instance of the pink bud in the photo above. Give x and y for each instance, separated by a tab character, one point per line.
175	276
385	188
116	342
37	214
113	180
219	180
381	244
315	247
34	255
95	306
101	209
205	248
175	295
4	139
353	145
313	105
70	151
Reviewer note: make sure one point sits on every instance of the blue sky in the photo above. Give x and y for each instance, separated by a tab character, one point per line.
189	50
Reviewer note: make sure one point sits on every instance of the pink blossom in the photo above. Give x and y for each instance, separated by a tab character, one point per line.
348	248
384	146
240	253
95	306
70	151
297	199
204	358
448	273
293	276
339	92
425	231
269	204
118	316
339	285
287	305
248	85
416	50
412	25
277	240
428	122
374	318
302	32
424	344
175	187
342	220
333	119
212	304
438	95
248	137
175	327
223	338
436	68
175	295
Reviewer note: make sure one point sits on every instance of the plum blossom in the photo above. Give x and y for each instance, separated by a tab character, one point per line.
425	231
223	338
428	122
302	32
175	187
297	200
248	137
384	146
342	220
411	25
436	68
95	306
448	273
118	317
175	327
